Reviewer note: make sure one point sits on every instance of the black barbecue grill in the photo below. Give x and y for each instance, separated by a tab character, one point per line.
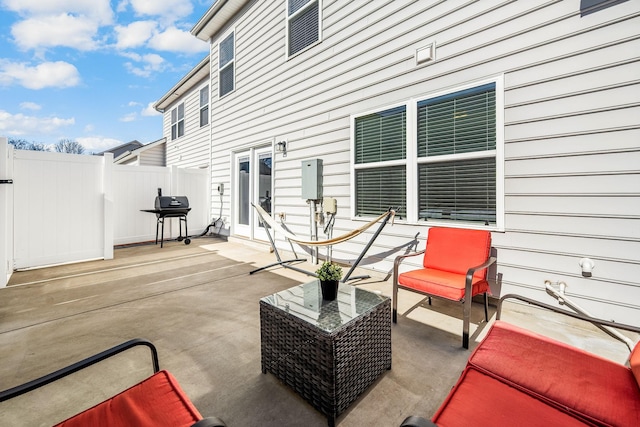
171	207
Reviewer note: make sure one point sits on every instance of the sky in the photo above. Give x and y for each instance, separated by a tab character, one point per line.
91	70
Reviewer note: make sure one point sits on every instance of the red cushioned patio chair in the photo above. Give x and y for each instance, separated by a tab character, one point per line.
154	402
454	268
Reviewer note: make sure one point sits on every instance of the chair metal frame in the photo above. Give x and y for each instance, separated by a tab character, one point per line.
466	300
90	361
85	363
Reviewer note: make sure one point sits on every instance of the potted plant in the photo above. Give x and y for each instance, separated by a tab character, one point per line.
329	275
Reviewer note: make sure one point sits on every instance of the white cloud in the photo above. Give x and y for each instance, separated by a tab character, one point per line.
56	30
176	40
51	23
20	124
122	6
170	10
131	117
135	34
30	106
150	63
47	74
149	111
97	144
98	11
153	59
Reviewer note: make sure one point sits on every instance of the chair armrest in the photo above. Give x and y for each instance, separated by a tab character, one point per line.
399	259
414	421
472	271
210	422
92	360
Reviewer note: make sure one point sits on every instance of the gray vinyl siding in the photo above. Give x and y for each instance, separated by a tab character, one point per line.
571	126
154	156
193	148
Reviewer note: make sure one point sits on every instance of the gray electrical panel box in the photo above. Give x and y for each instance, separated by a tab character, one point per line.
312	179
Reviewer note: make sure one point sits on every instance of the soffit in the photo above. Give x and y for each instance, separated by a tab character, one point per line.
218	15
195	76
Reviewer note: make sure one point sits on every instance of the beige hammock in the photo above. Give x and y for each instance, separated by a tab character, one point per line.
268	219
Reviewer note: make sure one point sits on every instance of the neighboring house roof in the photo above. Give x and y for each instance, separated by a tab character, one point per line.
199	72
117	151
217	17
129	155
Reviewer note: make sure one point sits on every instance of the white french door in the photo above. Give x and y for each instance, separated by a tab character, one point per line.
253	184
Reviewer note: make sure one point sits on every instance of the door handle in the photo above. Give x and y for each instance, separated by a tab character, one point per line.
6	181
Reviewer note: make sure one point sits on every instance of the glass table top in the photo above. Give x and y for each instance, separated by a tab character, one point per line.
305	302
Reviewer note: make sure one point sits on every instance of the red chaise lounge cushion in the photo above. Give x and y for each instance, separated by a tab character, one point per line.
634	362
594	388
157	401
481	400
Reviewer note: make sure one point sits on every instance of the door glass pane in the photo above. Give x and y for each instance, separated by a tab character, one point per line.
264	182
243	190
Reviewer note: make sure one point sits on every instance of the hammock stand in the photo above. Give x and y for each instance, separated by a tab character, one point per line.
269	222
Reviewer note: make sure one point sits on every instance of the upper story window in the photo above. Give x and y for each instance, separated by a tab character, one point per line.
204	106
441	167
177	122
303	24
590	6
226	63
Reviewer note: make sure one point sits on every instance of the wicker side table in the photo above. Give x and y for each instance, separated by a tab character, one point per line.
327	352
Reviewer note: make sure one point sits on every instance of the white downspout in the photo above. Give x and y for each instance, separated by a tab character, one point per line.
563	300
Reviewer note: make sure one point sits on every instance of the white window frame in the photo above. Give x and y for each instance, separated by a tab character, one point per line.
176	120
231	62
293	16
205	89
412	161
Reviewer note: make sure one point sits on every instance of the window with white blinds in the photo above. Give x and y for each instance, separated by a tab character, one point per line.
451	168
226	64
303	17
380	138
177	122
456	146
204	106
590	6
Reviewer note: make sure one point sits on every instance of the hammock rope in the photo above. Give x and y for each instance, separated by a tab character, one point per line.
271	222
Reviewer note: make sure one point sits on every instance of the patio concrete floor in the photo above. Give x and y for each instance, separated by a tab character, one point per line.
199	306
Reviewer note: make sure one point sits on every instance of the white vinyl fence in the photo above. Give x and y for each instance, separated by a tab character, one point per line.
135	189
65	208
6	211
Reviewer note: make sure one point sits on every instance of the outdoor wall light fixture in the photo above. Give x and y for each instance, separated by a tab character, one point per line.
281	147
